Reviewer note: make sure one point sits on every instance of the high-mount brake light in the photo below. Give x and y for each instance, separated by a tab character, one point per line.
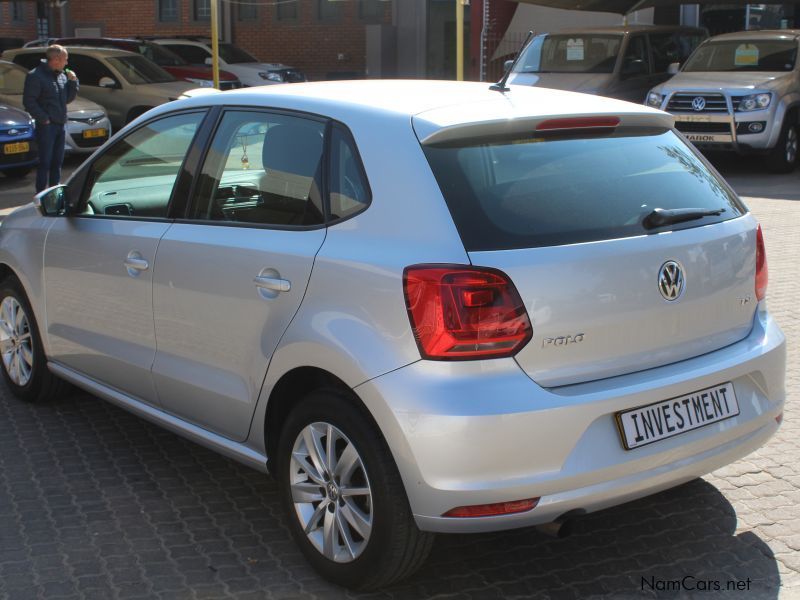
462	312
569	123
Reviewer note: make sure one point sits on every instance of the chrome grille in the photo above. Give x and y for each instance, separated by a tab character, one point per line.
682	102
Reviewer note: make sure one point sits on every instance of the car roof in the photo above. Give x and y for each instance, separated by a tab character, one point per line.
89	50
763	34
433	105
623	29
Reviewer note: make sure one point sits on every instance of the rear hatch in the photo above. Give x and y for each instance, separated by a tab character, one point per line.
563	214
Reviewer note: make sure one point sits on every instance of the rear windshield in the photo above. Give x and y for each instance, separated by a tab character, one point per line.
744	55
530	192
571	54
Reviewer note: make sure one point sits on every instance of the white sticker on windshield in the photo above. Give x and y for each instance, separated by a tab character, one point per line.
746	55
574	49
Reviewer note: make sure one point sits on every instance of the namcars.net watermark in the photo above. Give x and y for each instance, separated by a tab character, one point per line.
690	583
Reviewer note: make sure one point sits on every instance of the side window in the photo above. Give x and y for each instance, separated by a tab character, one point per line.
29	61
262	169
194	55
665	50
90	70
636	61
135	177
349	191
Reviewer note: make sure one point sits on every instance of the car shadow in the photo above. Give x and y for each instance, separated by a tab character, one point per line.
191	520
750	178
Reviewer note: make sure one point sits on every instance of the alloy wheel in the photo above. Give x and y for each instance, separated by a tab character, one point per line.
16	343
331	492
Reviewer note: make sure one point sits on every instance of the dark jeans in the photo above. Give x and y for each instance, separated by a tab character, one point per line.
50	139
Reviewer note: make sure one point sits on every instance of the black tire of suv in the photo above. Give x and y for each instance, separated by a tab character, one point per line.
42	386
17	172
777	160
396	547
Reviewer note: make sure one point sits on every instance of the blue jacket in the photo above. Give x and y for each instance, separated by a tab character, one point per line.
47	94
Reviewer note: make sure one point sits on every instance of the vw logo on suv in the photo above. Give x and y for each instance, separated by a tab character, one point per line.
670	280
699	103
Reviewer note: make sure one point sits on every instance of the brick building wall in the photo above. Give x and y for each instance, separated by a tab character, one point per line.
18	20
324	45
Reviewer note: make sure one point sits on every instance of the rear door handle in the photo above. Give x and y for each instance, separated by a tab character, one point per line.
275	284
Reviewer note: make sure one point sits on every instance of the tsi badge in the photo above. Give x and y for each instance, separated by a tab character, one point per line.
563	340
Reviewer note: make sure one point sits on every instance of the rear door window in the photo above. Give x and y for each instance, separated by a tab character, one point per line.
529	192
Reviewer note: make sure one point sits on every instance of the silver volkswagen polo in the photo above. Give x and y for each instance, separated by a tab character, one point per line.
421	306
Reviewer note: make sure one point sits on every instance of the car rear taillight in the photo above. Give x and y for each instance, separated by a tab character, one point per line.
762	273
461	313
493	510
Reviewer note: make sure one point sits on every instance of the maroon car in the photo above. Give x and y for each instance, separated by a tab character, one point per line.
164	58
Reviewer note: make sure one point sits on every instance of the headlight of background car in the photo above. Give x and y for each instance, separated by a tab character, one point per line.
755	102
201	82
270	76
654	100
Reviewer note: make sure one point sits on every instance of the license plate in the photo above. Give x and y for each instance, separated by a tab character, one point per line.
16	148
709	138
661	420
94	133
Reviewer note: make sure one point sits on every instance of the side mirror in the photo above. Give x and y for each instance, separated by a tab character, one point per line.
209	61
52	201
107	82
673	68
507	65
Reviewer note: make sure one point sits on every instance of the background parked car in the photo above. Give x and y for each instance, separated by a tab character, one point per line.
166	59
88	125
739	92
245	66
18	153
620	62
126	84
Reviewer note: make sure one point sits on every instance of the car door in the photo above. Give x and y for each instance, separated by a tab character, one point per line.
231	276
98	262
635	71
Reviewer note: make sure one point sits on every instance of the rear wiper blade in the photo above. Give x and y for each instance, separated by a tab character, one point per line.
667	216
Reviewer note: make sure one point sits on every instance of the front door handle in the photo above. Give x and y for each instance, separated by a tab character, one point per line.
275	284
135	263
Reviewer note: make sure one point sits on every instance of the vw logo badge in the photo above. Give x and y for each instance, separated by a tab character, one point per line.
13	131
670	280
699	103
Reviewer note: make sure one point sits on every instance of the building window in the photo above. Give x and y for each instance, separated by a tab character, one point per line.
167	10
287	10
329	10
248	10
202	10
17	11
371	10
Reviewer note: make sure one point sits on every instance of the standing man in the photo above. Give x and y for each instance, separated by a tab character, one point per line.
48	90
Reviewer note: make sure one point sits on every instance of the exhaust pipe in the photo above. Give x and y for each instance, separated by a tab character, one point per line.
560	528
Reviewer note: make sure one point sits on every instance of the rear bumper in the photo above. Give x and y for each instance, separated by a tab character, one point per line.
482	432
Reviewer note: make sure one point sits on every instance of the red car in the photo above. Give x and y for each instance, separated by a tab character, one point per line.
164	58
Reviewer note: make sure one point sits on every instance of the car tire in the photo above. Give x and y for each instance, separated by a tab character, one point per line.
135	113
783	158
17	173
392	547
24	362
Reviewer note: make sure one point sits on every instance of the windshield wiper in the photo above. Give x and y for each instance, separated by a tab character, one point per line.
667	216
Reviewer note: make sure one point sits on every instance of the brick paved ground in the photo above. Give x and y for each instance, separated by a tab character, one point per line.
95	503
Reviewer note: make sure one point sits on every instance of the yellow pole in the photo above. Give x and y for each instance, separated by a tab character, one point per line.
459	40
215	42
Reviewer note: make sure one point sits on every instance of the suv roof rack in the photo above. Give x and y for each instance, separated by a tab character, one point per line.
191	38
